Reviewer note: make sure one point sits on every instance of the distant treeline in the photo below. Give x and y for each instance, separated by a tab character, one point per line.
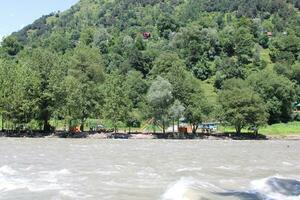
233	61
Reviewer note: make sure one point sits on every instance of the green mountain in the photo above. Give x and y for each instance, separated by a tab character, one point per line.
101	59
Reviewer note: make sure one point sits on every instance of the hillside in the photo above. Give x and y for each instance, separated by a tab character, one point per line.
131	60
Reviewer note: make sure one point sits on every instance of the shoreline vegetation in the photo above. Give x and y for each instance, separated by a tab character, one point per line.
148	136
109	65
288	131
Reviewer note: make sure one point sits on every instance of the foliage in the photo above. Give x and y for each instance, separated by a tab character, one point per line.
117	104
277	92
160	97
55	68
241	106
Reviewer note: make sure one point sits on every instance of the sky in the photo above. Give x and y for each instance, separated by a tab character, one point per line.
15	14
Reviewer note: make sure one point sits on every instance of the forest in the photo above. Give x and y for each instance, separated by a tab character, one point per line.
128	61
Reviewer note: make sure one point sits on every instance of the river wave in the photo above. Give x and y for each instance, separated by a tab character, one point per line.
271	188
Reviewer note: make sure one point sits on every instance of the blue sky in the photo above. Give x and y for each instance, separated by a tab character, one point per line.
15	14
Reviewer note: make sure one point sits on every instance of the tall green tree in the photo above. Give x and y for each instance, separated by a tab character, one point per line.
160	97
87	66
241	106
73	102
41	62
176	111
136	86
19	87
117	104
198	108
278	93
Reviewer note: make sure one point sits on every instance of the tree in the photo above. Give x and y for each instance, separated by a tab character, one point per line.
170	67
196	44
241	106
160	97
58	42
244	45
41	62
166	24
136	87
117	104
19	86
176	112
74	100
86	65
278	93
102	39
285	48
227	68
296	72
198	108
11	46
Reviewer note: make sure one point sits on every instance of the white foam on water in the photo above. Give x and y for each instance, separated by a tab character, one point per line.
227	167
148	172
188	189
68	193
73	195
53	176
9	184
264	187
9	181
43	187
106	173
189	169
7	170
30	167
287	163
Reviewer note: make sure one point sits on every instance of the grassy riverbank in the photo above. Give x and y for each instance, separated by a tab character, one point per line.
283	129
275	130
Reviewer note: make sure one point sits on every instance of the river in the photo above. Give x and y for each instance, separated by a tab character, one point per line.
56	169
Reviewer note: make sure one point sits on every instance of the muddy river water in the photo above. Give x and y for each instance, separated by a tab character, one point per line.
148	169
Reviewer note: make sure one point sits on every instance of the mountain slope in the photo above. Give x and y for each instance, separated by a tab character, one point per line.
207	41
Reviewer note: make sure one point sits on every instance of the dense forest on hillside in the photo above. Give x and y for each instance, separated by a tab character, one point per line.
127	61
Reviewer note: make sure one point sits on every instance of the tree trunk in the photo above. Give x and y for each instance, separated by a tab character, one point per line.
115	126
238	129
46	125
70	124
2	122
194	128
173	126
82	125
256	133
164	127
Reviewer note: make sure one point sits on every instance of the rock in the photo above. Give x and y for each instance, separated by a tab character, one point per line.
142	136
99	136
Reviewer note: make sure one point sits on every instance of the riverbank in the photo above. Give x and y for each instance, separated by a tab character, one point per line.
150	136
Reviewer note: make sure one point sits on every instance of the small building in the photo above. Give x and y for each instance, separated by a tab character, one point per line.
146	35
209	127
298	107
269	34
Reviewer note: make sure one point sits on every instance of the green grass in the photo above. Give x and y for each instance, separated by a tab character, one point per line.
282	129
265	55
288	129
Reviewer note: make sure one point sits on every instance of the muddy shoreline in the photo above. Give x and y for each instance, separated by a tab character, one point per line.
177	136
